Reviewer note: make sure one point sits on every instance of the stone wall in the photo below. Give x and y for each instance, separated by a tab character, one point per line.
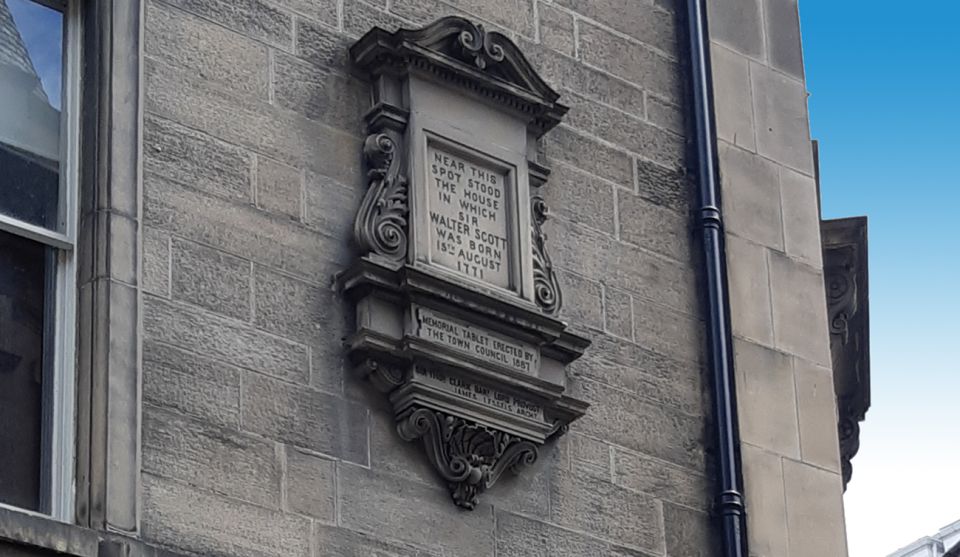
788	415
255	440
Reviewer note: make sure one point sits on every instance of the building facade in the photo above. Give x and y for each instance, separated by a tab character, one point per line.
945	543
191	392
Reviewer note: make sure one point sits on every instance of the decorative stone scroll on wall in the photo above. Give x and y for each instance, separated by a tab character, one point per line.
456	298
848	309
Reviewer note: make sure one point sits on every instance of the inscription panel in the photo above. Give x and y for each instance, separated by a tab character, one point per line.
476	392
469	221
478	342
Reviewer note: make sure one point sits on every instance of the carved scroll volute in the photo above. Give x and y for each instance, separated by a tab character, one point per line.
381	223
469	457
546	289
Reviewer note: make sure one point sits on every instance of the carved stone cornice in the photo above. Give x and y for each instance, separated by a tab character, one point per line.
466	55
846	284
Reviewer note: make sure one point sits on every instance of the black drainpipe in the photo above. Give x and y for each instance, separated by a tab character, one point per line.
709	223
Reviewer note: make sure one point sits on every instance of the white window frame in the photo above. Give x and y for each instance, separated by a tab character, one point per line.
62	397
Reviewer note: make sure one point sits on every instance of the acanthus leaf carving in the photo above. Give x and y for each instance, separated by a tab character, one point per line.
545	286
381	223
468	456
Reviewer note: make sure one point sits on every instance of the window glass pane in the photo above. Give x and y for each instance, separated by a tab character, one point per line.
24	275
31	69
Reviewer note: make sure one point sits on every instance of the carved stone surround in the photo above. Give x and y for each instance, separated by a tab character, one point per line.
845	280
474	365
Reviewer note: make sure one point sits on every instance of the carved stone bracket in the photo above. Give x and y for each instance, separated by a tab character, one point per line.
381	222
546	288
845	282
469	457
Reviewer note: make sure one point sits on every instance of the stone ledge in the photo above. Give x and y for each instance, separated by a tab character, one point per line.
24	534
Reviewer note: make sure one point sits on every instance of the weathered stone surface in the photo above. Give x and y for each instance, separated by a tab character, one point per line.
629	421
156	262
618	312
817	409
311	485
210	457
208	50
621	265
639	370
667	331
814	510
689	533
582	301
654	227
210	279
751	200
640	20
329	207
801	217
766	399
303	313
580	198
569	74
398	509
517	535
782	21
588	504
799	309
318	93
767	519
633	62
324	11
637	136
590	456
783	130
223	338
243	231
279	188
191	384
196	160
588	155
320	45
281	134
359	17
180	516
255	18
515	15
733	97
310	419
662	480
737	24
340	542
665	114
666	186
749	277
556	29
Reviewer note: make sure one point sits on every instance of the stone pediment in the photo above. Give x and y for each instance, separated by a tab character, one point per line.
466	55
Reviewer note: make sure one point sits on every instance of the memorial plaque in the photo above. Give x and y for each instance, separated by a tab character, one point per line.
469	219
477	342
471	390
456	300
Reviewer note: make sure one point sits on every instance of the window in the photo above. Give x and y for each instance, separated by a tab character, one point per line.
38	189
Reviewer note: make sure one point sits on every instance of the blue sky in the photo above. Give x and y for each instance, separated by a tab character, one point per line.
41	29
884	82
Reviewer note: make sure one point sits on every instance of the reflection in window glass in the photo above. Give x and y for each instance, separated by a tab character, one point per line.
23	309
31	66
